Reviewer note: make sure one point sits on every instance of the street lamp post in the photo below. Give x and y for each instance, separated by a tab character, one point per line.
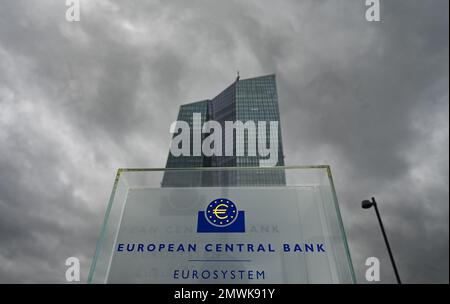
366	204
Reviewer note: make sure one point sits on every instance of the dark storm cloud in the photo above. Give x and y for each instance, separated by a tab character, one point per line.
79	100
363	116
37	210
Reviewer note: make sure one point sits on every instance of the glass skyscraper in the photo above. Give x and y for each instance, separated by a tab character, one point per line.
253	99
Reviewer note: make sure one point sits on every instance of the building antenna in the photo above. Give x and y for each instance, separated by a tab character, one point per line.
237	78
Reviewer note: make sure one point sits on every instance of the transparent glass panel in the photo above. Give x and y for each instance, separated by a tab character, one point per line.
223	225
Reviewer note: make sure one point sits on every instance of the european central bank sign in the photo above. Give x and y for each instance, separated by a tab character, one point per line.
227	235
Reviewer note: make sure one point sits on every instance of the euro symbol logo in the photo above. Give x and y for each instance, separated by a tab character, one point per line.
221	212
218	212
221	215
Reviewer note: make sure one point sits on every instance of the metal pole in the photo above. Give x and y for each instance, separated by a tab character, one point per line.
386	241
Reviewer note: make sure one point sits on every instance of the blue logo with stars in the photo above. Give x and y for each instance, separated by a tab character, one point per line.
221	215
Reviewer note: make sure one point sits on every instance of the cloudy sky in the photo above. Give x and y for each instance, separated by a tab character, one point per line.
79	100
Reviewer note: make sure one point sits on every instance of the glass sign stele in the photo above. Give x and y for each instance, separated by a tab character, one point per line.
223	225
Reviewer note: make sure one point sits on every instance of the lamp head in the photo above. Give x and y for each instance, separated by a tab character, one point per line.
366	204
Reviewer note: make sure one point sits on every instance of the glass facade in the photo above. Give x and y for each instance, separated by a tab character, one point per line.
257	100
253	99
171	178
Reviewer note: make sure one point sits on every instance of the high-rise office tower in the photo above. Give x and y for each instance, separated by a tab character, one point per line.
253	99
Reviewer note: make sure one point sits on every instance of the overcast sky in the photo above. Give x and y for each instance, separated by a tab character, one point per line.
79	100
